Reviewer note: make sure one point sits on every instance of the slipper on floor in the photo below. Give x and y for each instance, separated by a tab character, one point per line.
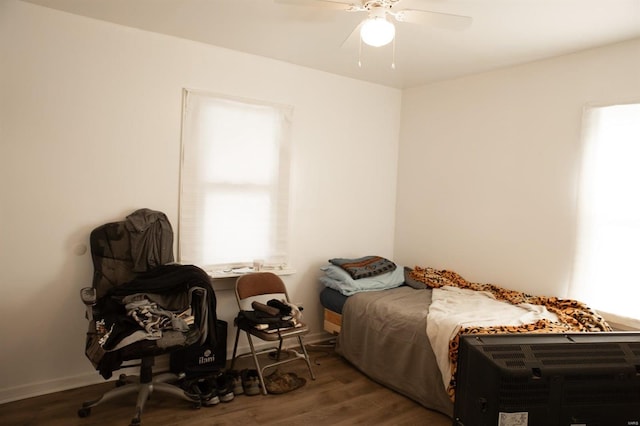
278	383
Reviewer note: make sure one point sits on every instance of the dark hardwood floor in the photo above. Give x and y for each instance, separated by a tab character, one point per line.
340	395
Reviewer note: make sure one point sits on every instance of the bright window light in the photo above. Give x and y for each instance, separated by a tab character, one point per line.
608	247
234	181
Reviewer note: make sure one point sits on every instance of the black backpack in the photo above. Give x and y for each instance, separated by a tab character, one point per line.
202	360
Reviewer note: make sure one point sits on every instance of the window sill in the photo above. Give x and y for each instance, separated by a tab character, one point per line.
620	323
237	272
225	279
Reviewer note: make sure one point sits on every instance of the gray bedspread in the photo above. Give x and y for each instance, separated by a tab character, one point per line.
384	335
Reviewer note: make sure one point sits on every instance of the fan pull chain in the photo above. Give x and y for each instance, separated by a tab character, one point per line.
360	53
393	59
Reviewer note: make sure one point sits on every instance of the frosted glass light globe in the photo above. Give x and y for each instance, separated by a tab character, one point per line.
377	31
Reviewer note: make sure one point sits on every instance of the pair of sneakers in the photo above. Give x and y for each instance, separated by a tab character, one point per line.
232	381
211	390
224	386
250	382
245	382
202	390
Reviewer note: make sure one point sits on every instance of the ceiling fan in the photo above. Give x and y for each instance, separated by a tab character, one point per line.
377	29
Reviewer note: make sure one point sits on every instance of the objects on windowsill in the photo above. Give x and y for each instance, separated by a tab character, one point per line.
280	269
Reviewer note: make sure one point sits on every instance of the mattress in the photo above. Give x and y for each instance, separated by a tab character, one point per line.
333	301
383	334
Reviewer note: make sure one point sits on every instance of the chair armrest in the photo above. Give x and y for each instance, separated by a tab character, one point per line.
88	296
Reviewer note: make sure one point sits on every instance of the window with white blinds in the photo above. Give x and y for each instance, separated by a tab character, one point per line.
608	246
234	195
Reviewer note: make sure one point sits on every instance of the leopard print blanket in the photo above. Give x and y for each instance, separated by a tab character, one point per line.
573	316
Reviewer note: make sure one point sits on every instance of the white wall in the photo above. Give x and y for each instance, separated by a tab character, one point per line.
488	167
90	131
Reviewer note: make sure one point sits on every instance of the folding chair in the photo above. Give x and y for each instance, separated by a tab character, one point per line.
264	286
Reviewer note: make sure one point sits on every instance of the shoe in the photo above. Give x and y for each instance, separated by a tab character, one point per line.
210	398
236	382
224	387
250	382
204	390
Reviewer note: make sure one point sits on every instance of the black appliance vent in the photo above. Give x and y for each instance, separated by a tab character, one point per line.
515	392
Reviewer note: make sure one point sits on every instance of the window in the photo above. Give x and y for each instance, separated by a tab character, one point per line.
608	248
234	181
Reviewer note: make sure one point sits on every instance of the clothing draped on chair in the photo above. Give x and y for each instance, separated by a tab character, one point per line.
142	305
170	285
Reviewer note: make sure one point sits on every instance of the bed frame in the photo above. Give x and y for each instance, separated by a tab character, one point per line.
332	321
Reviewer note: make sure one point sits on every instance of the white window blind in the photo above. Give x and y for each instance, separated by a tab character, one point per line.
608	246
234	181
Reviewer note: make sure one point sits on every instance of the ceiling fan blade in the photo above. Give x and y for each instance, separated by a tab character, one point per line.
354	37
325	4
436	19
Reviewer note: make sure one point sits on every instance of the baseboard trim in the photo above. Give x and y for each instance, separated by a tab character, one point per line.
31	390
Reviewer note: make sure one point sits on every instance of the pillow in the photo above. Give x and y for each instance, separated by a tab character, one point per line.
363	267
338	279
334	284
336	273
412	282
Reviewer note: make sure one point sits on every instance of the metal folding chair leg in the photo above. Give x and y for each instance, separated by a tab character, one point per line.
306	357
257	364
302	355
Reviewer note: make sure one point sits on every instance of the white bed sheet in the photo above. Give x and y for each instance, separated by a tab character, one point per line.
453	308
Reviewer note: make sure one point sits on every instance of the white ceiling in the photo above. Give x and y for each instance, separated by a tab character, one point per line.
503	33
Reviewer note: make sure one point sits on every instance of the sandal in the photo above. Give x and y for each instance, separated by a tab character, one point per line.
278	383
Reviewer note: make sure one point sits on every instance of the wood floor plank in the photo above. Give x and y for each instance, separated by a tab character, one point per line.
340	395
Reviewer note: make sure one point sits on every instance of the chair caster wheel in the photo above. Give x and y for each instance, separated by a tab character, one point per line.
84	412
122	380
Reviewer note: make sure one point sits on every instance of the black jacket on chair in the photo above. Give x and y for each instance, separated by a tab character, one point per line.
135	256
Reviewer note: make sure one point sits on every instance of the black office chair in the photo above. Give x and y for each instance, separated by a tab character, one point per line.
142	305
263	286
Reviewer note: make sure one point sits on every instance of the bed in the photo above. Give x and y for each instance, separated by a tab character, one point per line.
383	331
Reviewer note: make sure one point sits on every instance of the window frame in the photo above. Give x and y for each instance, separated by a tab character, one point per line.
589	147
277	256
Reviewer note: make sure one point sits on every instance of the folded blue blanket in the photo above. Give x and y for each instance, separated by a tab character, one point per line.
337	278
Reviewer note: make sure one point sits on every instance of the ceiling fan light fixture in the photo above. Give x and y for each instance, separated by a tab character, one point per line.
377	31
